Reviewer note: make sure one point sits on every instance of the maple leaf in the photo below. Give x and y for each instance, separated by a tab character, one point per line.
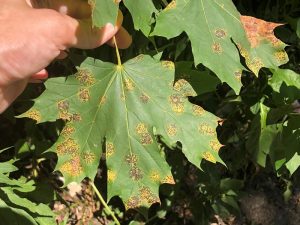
266	50
126	106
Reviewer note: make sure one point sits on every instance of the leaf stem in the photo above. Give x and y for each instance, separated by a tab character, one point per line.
110	212
117	51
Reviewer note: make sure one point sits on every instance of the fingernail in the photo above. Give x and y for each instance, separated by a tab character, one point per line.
109	26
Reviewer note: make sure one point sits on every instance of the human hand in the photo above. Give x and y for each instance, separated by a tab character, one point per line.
34	33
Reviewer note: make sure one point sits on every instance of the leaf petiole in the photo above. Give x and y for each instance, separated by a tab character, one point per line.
110	212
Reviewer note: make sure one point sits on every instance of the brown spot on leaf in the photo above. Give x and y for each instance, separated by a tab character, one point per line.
132	202
220	33
67	130
63	106
217	48
258	30
144	98
131	159
135	173
84	95
85	77
146	139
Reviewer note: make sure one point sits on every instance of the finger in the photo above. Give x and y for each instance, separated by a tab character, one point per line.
62	55
41	75
87	37
123	39
79	9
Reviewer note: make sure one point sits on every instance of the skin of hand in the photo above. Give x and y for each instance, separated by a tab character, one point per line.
34	33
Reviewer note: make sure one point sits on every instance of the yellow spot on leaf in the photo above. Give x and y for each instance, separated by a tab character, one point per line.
68	146
281	56
84	95
215	145
141	128
63	106
177	103
85	77
76	117
65	116
168	180
171	130
180	84
135	173
110	149
144	98
129	85
168	65
148	196
131	159
154	176
198	110
132	202
206	129
209	157
217	48
255	65
67	130
34	114
103	100
220	33
238	75
146	139
171	5
89	157
111	176
73	167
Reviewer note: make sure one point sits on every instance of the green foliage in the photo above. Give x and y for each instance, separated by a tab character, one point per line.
120	103
199	73
15	209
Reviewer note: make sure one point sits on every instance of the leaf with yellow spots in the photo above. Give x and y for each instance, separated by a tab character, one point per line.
100	17
139	104
211	25
266	49
218	33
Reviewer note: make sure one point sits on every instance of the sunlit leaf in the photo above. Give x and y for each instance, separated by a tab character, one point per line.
125	107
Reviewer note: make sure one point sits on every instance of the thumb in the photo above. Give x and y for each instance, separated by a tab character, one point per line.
85	36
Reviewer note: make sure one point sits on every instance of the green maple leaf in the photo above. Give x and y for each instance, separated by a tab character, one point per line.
215	30
211	25
141	12
127	106
104	11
